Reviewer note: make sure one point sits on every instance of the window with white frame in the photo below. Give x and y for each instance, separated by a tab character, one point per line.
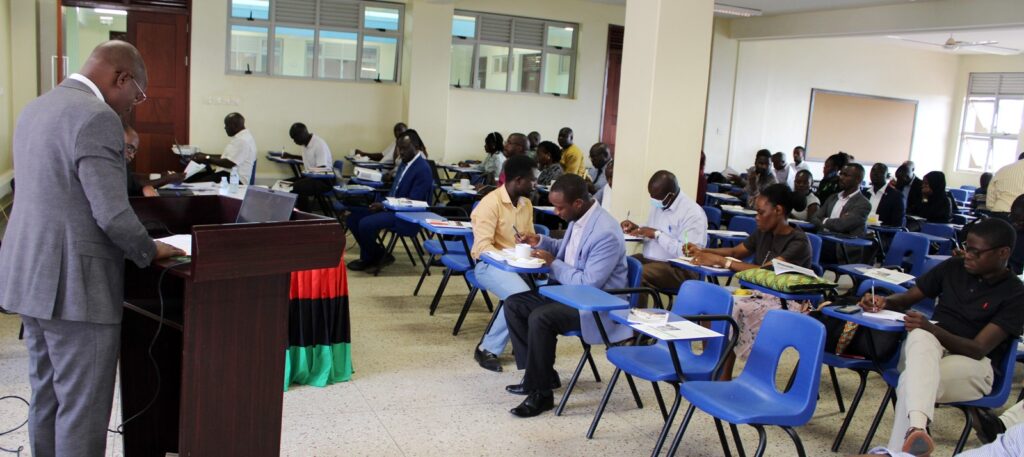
323	39
513	54
993	119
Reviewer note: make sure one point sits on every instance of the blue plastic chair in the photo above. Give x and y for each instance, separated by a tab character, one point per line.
713	188
714	216
945	231
969	187
960	195
541	230
907	251
456	263
653	363
1000	393
860	366
752	398
738	224
815	253
633	276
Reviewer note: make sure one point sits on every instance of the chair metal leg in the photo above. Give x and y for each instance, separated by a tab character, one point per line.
465	310
966	433
878	418
668	423
440	290
1020	396
632	388
572	381
487	299
739	443
796	441
423	275
762	440
593	366
853	409
604	402
682	431
721	437
408	251
835	387
661	402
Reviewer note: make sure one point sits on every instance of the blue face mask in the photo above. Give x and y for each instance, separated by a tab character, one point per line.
657	204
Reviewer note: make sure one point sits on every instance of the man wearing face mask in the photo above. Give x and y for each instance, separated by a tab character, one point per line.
674	221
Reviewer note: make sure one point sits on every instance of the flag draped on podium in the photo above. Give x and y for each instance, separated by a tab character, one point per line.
319	338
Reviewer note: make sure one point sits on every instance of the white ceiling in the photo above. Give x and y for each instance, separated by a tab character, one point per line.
1010	38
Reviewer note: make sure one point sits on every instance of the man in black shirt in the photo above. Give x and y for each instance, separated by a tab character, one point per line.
950	358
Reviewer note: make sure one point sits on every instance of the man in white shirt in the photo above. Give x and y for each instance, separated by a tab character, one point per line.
315	154
783	172
798	161
388	154
240	152
606	195
1005	186
674	221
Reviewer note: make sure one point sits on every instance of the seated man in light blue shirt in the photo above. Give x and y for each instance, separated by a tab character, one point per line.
675	220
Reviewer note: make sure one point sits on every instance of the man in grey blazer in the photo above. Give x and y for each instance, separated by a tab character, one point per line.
844	213
62	258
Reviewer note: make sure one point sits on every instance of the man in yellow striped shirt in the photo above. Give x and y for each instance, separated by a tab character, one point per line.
1006	185
572	155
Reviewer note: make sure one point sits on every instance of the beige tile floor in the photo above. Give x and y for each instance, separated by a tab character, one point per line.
418	392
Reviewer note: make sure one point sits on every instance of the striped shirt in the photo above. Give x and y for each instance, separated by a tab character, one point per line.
1006	185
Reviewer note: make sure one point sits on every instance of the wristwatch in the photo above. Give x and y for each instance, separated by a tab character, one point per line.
657	233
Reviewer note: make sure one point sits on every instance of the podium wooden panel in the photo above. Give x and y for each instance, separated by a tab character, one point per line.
223	328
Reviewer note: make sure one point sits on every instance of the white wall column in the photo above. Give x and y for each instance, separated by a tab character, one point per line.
429	38
665	65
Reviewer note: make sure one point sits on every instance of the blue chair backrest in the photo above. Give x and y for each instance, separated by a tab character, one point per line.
699	297
943	230
959	194
634	270
713	187
542	230
865	287
930	263
339	168
815	248
969	187
1004	378
909	251
252	177
782	330
714	216
743	224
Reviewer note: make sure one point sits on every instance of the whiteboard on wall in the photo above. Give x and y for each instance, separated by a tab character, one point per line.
871	128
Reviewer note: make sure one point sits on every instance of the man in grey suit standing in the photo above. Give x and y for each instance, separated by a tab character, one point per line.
62	259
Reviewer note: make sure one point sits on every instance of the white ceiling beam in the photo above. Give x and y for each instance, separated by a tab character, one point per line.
938	15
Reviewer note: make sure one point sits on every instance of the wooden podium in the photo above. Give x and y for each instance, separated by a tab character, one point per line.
223	328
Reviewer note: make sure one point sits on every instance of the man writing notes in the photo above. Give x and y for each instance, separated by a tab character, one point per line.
593	253
496	220
62	260
953	356
240	152
388	154
315	155
675	220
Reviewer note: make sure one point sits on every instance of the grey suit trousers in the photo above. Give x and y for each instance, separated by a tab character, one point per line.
71	368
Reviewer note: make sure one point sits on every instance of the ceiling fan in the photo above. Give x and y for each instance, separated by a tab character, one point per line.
953	44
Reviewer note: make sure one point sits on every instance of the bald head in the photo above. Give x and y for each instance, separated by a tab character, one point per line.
131	143
119	72
234	123
661	184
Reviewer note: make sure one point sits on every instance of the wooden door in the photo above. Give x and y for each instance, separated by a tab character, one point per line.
162	120
613	73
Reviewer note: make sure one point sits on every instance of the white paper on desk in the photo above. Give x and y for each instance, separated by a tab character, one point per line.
729	171
890	315
320	170
783	267
183	242
727	233
738	209
544	208
192	168
646	316
500	255
450	224
282	185
394	201
689	261
680	330
887	275
367	174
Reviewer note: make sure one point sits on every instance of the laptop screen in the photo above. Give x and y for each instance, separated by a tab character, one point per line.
264	205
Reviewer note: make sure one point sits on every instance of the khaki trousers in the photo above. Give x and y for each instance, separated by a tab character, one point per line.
661	275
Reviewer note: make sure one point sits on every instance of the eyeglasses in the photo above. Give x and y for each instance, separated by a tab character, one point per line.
975	252
130	150
142	94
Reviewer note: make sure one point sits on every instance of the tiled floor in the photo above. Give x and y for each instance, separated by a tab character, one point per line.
417	391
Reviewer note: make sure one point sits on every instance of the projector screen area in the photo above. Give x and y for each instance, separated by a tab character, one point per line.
871	128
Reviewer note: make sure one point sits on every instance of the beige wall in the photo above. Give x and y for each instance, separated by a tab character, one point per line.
6	117
721	84
774	81
973	64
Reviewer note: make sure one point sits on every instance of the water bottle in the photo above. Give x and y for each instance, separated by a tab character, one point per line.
234	180
224	185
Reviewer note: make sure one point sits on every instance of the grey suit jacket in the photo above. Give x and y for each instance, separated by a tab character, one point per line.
71	226
852	220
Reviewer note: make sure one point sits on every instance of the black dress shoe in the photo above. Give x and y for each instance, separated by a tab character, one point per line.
986	424
388	259
518	389
356	265
487	360
535	403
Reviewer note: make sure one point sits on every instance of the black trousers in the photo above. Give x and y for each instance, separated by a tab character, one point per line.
307	188
534	323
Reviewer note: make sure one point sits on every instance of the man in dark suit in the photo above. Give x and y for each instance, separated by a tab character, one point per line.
414	181
62	260
908	184
886	202
844	213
